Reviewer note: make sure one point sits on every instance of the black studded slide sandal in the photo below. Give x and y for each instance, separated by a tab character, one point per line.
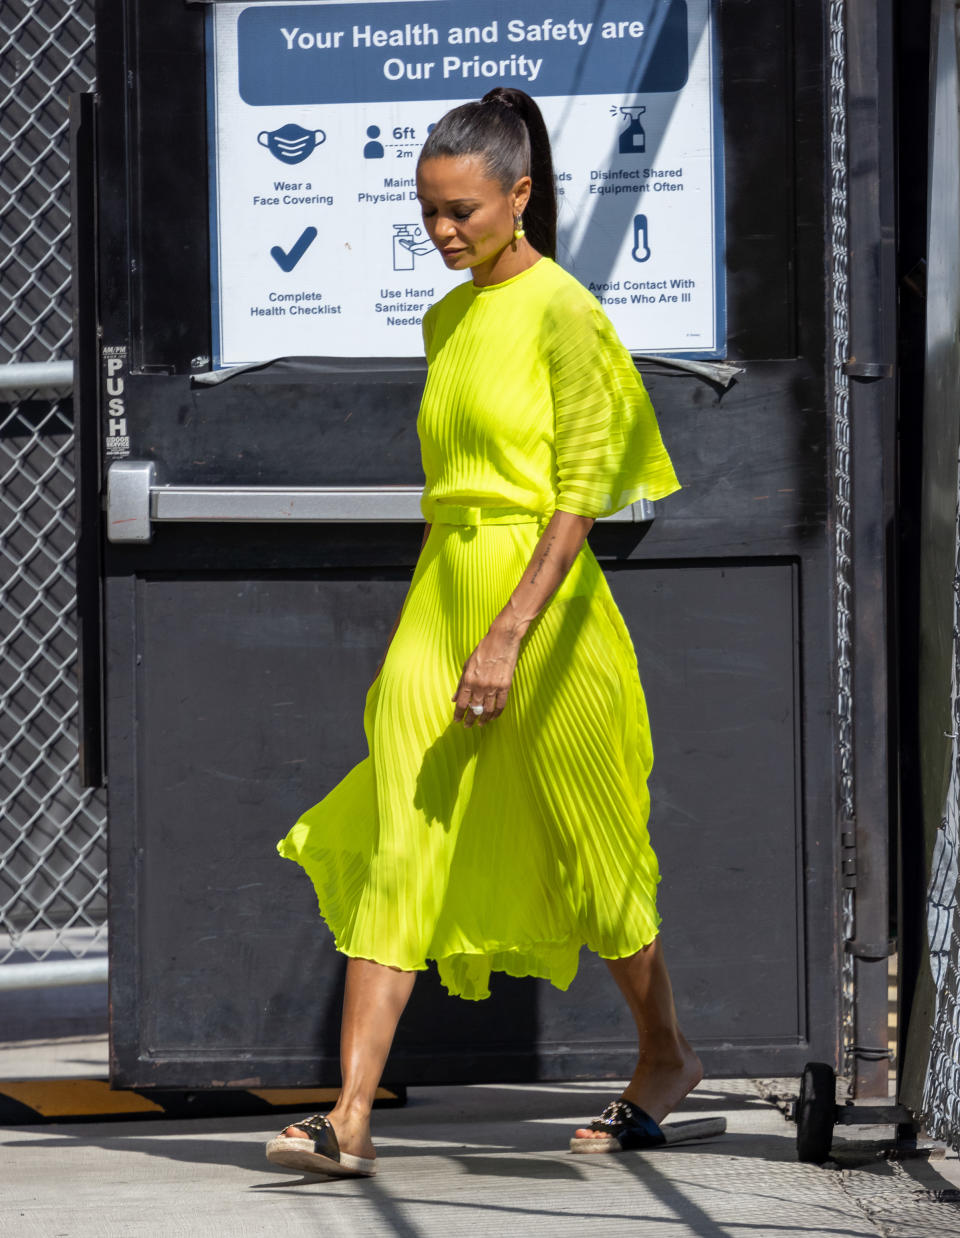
626	1127
319	1153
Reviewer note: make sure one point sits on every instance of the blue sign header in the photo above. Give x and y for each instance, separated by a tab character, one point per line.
424	49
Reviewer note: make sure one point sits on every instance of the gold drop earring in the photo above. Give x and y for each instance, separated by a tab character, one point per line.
518	232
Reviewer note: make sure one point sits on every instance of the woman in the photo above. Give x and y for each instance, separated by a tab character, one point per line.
508	841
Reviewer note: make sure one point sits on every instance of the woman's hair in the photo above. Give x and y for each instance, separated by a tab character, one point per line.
507	129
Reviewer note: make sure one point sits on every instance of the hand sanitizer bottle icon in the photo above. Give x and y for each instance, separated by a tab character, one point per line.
407	246
403	257
641	245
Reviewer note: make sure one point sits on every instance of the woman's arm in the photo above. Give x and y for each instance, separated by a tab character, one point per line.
488	672
396	622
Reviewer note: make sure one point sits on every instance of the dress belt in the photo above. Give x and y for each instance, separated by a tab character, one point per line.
454	513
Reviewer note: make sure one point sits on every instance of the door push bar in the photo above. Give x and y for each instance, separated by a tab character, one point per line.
135	502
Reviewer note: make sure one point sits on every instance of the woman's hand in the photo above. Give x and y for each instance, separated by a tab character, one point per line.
487	675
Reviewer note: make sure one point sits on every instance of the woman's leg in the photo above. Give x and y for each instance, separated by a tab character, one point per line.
667	1067
373	1001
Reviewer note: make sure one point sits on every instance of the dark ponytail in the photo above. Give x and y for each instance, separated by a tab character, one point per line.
507	129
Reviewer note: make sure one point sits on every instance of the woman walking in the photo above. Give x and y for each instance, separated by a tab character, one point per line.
500	820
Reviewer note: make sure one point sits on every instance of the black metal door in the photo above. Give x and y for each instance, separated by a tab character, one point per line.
237	655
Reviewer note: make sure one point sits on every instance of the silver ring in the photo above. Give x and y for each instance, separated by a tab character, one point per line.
477	709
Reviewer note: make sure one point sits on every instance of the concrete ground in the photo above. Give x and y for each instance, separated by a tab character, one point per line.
471	1160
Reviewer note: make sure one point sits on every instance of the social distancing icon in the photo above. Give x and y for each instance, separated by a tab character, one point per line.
374	148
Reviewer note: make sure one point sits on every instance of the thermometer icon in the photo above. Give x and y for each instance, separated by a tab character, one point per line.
641	244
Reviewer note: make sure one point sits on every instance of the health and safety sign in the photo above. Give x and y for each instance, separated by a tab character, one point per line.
318	112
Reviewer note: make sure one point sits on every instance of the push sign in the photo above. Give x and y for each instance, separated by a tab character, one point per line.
318	114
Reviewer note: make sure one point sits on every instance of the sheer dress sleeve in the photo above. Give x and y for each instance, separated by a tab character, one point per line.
609	452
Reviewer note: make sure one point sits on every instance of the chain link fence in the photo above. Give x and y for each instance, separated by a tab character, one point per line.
843	566
52	831
941	1092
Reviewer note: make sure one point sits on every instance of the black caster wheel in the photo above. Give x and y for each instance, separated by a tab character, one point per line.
816	1112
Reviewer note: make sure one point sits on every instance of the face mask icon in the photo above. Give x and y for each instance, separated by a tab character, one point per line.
291	143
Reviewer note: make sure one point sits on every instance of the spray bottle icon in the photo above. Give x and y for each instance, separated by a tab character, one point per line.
633	139
641	244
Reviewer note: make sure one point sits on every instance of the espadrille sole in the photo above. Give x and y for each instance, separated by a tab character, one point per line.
294	1153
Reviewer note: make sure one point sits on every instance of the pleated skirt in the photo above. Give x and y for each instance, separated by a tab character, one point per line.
506	847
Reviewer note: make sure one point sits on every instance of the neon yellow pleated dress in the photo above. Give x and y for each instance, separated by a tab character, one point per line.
507	847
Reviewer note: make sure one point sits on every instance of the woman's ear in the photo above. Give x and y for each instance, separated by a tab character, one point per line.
521	194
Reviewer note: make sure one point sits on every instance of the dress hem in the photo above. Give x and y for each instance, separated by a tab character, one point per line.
444	961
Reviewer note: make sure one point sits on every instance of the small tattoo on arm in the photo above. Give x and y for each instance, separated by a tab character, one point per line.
543	559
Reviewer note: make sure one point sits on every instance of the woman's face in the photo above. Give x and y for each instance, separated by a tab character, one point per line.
468	215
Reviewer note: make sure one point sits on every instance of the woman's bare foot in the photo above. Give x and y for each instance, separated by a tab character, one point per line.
659	1084
352	1131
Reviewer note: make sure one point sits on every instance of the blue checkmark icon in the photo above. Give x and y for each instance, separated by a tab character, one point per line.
286	261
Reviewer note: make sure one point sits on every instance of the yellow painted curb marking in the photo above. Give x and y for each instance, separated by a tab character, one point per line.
308	1096
76	1097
